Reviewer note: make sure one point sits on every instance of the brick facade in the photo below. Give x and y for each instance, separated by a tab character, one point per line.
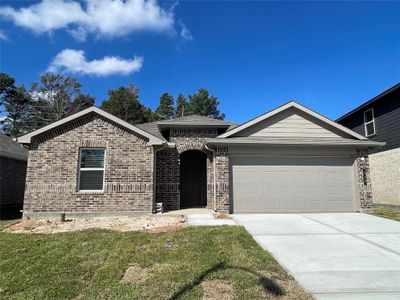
167	178
12	182
222	179
52	174
168	167
364	180
385	177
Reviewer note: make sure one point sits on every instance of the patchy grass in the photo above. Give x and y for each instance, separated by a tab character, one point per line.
387	213
98	264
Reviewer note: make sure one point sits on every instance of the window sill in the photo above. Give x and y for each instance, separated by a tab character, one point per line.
90	192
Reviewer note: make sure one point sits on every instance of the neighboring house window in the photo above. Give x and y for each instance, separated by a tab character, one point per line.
91	169
369	122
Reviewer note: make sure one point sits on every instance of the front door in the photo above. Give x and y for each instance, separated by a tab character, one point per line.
193	188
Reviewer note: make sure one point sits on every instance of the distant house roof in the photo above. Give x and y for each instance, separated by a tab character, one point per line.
369	102
11	149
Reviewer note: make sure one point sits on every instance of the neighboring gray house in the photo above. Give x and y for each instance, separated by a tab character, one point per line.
13	160
290	159
379	120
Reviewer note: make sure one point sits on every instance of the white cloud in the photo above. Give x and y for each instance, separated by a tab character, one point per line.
185	33
104	18
3	36
75	62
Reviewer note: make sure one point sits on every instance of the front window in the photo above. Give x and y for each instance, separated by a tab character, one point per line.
369	122
91	169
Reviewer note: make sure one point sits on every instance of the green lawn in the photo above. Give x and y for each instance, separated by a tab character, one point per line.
90	265
387	213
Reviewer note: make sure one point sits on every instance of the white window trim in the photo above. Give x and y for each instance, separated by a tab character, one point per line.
372	121
91	169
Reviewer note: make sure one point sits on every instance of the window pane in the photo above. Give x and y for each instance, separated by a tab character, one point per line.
91	180
92	158
370	128
368	116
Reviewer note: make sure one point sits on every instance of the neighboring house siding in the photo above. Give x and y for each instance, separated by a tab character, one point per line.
387	122
53	167
385	176
12	182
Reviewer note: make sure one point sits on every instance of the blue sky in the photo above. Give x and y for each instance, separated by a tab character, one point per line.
254	56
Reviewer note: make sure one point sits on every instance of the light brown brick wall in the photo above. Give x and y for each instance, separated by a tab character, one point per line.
222	179
52	174
364	180
385	177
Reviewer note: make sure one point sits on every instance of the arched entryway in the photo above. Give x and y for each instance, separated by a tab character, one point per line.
193	179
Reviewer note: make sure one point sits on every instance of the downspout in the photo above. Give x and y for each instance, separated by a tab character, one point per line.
165	145
214	177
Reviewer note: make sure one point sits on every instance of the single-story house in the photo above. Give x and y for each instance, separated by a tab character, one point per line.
13	160
379	120
290	159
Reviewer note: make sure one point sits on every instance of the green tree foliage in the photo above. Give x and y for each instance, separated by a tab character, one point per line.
55	97
203	104
165	110
16	103
124	103
7	83
181	107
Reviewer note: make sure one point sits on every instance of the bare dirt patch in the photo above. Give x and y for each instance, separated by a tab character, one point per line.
222	216
135	273
150	223
217	289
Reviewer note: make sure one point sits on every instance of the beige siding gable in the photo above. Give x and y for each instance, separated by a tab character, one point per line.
292	123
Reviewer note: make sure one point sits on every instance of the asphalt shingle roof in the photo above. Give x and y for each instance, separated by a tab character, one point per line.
11	149
193	120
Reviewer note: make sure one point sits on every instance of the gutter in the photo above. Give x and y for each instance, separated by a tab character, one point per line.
225	142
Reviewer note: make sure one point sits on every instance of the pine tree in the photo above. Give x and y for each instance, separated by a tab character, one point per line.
182	106
165	110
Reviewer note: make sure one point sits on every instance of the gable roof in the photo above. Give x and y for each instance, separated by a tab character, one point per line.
289	105
153	140
369	102
193	121
11	149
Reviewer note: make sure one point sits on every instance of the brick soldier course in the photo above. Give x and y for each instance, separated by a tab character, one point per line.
142	164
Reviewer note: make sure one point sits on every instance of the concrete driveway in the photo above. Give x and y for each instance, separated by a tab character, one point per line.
335	255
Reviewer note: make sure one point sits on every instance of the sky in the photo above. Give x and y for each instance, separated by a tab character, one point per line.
254	56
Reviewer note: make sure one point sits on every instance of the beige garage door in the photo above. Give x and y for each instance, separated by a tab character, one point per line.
266	184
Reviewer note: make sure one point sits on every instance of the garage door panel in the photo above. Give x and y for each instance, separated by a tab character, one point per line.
262	184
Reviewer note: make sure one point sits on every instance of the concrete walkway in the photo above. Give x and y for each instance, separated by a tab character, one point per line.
207	220
334	256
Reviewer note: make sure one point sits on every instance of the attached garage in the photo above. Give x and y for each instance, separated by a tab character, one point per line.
292	184
293	160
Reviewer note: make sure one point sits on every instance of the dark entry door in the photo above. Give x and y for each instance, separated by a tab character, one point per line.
193	179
